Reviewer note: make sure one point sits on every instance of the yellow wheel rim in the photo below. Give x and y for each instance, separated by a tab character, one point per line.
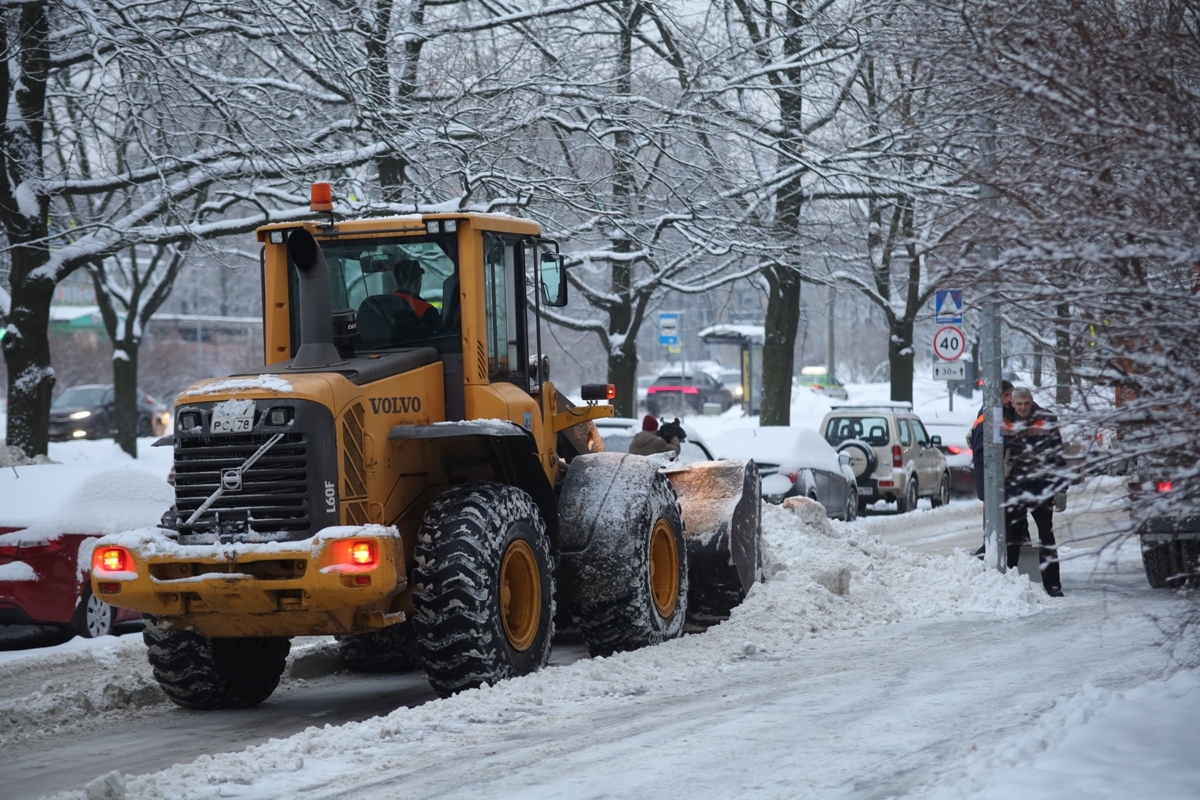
520	595
664	568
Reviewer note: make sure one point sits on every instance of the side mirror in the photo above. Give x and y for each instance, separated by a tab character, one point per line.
844	459
935	440
553	279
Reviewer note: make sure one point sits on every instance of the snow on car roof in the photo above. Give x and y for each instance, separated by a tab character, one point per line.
50	499
802	448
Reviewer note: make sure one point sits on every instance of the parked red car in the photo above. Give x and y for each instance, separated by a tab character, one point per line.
50	518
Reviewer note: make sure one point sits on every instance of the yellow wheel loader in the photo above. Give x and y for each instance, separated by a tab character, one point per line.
401	474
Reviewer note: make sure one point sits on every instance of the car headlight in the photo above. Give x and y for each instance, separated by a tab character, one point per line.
81	415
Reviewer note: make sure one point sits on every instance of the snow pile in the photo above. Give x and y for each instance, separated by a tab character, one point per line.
822	580
1137	743
63	499
44	696
13	456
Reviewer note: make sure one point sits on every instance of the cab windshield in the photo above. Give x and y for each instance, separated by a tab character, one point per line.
404	290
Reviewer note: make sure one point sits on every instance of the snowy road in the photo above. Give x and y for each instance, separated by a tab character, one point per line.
804	692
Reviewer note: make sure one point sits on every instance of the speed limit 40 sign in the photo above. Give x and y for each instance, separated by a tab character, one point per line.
949	344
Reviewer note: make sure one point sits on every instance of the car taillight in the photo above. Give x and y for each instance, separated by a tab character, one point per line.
110	559
1162	487
652	390
792	476
897	456
953	449
690	390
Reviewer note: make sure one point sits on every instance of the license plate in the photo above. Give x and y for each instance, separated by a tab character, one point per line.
233	416
866	490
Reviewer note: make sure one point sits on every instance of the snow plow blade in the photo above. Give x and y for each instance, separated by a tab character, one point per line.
722	519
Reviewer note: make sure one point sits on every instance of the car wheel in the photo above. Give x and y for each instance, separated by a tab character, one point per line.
145	427
852	504
93	617
943	493
909	501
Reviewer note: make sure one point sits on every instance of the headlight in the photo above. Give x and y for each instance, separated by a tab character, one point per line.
81	415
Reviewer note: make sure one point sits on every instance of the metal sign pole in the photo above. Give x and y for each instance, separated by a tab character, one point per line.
996	556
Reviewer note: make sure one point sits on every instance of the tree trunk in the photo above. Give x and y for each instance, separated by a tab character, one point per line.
900	358
779	345
622	373
125	396
23	75
27	353
1037	363
622	359
1062	355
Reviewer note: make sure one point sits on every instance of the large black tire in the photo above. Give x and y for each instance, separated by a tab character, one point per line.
484	581
908	501
391	649
656	606
1163	564
197	672
943	493
93	617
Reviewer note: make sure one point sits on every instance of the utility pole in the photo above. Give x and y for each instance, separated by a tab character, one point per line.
831	352
996	555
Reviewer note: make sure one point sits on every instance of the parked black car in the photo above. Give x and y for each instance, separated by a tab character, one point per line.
86	412
680	394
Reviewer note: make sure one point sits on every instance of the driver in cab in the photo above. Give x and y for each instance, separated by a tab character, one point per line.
407	274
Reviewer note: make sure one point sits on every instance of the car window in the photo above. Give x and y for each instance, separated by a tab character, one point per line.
690	452
905	434
80	396
919	430
872	430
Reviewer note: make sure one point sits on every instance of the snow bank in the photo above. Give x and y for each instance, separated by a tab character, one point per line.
1136	743
50	499
54	499
822	580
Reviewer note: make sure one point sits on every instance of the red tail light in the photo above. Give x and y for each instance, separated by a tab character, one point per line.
792	476
356	554
1163	487
690	390
652	390
897	456
111	559
954	449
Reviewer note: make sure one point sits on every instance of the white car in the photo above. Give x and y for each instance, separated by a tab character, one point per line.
795	462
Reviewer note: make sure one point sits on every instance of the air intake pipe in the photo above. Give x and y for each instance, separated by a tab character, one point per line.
316	314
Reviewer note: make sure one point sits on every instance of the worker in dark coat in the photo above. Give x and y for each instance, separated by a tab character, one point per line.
407	274
1037	469
650	440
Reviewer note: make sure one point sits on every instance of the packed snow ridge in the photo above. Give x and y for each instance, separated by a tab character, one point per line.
821	579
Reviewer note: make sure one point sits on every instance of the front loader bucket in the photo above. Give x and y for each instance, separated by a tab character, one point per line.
722	519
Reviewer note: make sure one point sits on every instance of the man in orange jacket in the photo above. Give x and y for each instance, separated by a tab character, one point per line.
976	441
408	288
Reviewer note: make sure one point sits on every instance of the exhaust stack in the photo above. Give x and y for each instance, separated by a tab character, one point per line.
316	313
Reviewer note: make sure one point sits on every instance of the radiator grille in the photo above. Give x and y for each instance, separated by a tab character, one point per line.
274	493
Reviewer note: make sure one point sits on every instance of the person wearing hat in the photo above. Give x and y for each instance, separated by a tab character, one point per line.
408	288
649	440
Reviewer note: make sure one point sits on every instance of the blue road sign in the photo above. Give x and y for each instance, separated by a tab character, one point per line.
668	329
948	307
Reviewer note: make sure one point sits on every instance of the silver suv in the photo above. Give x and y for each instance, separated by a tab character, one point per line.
891	454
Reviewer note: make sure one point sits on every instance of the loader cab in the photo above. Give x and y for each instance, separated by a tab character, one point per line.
471	301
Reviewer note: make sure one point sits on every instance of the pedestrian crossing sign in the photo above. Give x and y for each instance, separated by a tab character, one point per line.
948	307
